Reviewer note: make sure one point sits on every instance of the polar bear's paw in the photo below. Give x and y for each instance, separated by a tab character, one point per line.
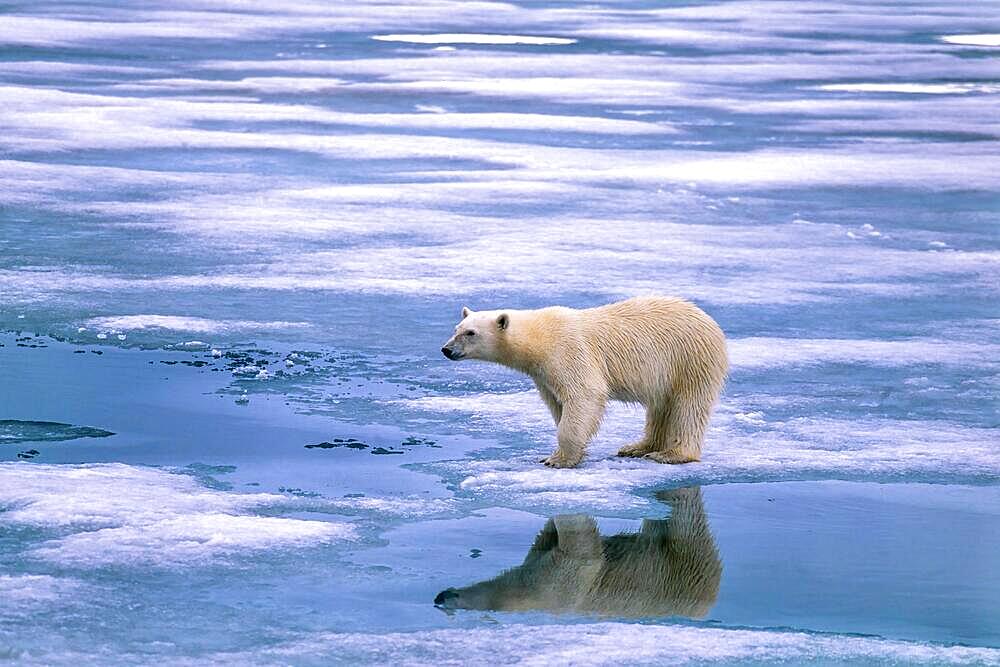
635	450
670	457
561	460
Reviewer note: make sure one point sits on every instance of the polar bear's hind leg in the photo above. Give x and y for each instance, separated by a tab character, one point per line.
679	430
654	435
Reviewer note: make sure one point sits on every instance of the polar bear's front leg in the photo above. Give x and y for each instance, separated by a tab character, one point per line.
579	423
551	402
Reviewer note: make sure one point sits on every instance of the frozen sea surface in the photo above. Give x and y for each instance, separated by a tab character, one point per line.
234	235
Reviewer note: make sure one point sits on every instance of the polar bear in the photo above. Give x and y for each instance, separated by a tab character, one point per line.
662	352
669	568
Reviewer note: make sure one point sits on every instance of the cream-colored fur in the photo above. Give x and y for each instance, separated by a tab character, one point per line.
662	352
669	568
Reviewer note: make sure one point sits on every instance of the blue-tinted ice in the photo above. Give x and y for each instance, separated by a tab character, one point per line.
234	235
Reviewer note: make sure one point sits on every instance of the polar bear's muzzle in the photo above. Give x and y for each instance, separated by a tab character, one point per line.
451	353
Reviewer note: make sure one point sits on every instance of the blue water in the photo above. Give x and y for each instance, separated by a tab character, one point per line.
234	235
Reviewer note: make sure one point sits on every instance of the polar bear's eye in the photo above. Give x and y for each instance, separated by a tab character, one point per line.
470	333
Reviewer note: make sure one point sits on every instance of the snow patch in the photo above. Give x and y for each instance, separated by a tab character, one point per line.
408	507
914	88
31	589
116	514
763	352
472	38
189	324
986	39
189	538
592	644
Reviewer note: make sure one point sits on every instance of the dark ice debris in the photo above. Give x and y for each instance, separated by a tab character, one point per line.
85	352
30	454
298	492
353	443
350	443
97	352
23	342
475	553
420	442
323	445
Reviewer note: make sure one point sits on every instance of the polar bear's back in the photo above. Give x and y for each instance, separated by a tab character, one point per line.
654	346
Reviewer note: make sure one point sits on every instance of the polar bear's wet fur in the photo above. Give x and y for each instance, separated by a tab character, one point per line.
662	352
668	568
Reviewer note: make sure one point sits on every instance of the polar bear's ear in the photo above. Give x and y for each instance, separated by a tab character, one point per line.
465	312
503	321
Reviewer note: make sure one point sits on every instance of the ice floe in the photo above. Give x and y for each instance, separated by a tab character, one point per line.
203	537
32	589
116	514
215	20
472	38
742	445
642	67
750	353
407	507
608	644
985	39
185	323
783	264
915	88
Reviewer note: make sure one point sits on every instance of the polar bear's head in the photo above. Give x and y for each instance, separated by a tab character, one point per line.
559	570
477	336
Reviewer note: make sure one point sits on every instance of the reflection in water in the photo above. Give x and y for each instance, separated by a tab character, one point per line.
669	568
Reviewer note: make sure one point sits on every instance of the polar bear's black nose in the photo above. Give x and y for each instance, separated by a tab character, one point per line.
448	352
444	597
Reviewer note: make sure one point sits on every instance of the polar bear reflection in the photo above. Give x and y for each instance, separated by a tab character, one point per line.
669	568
